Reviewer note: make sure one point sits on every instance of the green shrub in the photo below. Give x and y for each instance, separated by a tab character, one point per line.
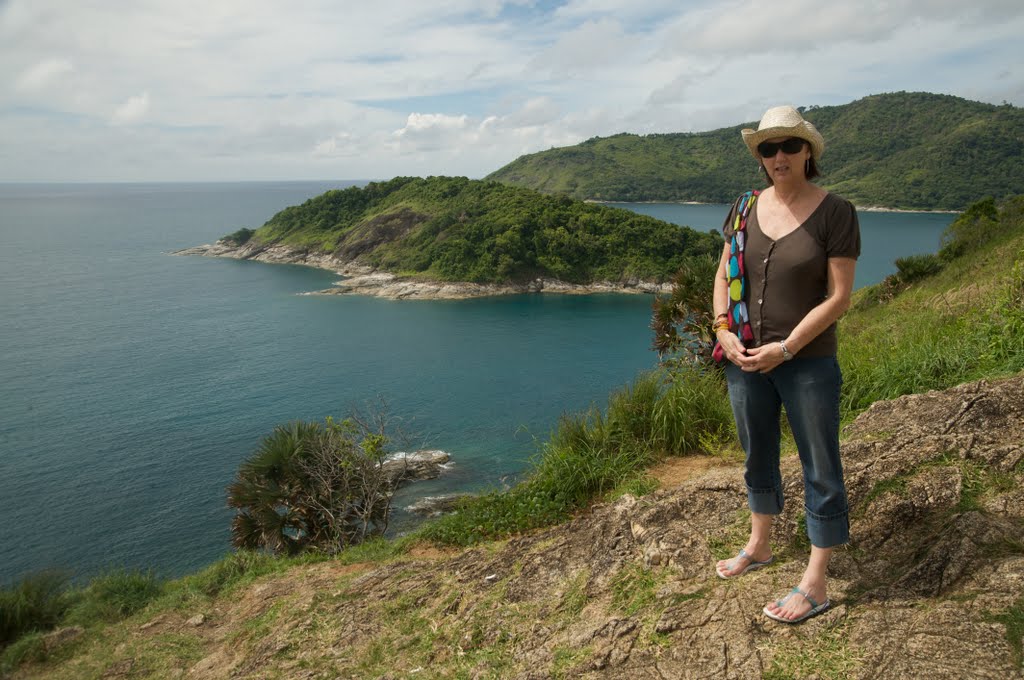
973	228
36	603
915	267
239	237
313	486
682	321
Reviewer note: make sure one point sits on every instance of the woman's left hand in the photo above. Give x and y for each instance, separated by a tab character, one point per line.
765	358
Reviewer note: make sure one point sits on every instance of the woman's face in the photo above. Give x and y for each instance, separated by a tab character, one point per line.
782	167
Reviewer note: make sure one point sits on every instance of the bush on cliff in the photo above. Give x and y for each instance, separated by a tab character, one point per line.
312	486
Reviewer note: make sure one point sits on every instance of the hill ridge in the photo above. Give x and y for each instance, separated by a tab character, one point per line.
913	150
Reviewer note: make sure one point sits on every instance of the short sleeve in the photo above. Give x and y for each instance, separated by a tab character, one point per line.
842	237
730	220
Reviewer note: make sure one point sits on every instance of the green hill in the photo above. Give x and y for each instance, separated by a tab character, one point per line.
902	150
456	229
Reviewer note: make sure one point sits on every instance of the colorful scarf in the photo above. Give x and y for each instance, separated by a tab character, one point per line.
736	276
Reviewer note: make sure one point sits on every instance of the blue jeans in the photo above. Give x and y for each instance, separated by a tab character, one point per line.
809	389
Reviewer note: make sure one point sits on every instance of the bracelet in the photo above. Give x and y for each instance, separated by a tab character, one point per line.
720	326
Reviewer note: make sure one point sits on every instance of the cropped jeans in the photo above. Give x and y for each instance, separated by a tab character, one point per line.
809	389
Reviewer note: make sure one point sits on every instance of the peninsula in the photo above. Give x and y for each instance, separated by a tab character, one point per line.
452	237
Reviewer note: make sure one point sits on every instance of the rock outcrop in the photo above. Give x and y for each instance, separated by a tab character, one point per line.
435	506
363	280
417	465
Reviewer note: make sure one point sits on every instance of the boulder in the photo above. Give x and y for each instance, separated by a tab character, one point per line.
403	467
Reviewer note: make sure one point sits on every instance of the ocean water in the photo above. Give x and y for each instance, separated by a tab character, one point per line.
885	236
133	383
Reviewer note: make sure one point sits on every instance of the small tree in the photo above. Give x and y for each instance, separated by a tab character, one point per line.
682	321
313	486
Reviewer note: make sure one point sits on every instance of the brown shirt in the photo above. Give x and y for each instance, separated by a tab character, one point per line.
789	277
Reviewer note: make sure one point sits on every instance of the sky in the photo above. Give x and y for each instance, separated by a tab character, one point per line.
229	90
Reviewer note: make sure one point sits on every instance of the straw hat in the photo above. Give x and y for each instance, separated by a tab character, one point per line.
783	121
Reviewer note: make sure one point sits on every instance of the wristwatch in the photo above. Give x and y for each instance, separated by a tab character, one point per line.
786	356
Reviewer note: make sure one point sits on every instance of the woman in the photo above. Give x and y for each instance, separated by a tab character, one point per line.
799	246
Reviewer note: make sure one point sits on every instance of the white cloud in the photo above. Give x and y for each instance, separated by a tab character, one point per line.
43	73
796	26
587	48
250	89
434	132
132	110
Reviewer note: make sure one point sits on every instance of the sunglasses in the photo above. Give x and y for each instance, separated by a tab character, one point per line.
788	146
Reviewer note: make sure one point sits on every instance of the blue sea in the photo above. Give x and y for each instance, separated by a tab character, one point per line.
133	383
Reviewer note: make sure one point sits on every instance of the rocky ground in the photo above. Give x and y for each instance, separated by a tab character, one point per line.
363	280
928	587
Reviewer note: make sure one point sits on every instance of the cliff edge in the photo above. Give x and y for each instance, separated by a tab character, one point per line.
931	585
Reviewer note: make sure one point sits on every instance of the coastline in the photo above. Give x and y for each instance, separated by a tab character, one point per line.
880	209
361	279
865	208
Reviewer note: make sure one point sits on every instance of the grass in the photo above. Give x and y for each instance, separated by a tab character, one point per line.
566	658
575	598
633	589
1013	619
680	598
27	648
826	655
37	602
896	485
963	323
114	596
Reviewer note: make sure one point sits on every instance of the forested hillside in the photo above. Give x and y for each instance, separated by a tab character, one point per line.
456	229
901	150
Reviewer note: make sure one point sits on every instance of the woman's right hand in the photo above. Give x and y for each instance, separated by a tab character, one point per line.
732	347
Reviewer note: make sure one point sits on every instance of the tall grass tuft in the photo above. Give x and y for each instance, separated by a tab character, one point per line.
113	596
592	453
36	603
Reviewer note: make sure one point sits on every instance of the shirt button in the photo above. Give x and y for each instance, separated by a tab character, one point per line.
758	323
766	260
760	302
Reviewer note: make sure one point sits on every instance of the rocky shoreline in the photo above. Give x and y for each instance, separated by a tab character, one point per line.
363	280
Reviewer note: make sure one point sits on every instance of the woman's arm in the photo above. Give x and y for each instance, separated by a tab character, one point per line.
840	286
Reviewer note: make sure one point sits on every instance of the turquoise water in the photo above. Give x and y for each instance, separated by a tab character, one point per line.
132	384
885	236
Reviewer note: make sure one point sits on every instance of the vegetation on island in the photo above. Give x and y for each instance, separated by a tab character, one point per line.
953	317
456	229
911	150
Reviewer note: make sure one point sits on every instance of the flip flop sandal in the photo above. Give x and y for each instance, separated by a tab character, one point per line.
743	555
814	611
